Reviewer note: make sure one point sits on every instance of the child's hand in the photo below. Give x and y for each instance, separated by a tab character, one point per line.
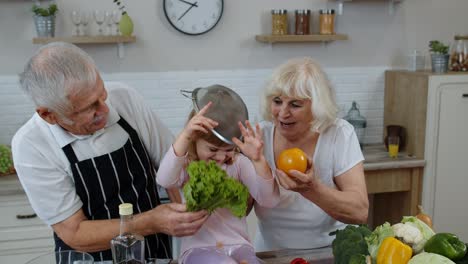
252	147
199	123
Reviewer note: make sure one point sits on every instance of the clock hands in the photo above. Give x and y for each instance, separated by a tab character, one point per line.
192	4
188	9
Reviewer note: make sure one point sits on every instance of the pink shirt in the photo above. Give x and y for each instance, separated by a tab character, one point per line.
221	226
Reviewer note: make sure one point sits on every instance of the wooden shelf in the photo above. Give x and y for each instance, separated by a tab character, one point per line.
299	38
459	37
87	39
391	5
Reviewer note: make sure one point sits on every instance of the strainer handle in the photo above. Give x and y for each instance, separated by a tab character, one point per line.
187	93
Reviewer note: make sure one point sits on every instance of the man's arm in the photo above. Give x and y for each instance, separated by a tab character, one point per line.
95	235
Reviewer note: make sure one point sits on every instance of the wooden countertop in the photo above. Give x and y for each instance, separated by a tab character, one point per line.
10	184
376	158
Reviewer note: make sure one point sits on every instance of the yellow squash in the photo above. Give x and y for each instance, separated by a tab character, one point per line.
393	251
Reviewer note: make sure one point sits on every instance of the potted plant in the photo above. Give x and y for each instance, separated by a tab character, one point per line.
44	19
439	56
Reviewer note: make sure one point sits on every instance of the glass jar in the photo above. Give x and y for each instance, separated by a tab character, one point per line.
416	61
359	122
327	21
302	22
459	56
279	22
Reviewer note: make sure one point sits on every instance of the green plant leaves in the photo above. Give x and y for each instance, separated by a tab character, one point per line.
49	11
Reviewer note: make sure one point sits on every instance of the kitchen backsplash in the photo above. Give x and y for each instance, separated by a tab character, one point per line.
364	85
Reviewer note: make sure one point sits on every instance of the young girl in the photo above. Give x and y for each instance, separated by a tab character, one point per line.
223	239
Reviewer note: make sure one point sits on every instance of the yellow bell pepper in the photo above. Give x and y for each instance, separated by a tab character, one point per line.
393	251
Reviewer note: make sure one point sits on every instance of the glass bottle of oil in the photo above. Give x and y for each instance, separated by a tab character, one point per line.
127	247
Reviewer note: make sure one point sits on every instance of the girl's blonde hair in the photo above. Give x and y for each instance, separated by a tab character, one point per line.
302	78
209	137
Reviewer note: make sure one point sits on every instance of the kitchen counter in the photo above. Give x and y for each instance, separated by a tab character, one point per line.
285	256
394	187
394	184
10	185
376	158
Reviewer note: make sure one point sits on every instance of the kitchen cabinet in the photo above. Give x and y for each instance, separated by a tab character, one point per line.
21	239
433	108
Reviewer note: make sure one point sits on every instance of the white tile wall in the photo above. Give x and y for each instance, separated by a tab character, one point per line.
161	90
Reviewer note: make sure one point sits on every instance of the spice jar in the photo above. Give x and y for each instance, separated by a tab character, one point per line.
302	22
459	56
279	22
327	21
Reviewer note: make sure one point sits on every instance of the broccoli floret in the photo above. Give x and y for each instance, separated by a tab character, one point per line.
357	259
349	242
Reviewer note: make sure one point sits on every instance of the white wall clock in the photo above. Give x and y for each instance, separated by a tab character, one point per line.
193	17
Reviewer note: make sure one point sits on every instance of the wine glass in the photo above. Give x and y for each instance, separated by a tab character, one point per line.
116	16
109	23
99	17
76	19
84	22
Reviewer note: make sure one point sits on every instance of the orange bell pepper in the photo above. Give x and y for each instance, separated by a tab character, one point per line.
393	251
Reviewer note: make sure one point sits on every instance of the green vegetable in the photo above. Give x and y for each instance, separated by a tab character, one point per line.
209	188
429	258
349	242
463	260
446	244
426	232
357	259
375	239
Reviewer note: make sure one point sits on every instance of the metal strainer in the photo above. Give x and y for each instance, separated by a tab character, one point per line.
227	109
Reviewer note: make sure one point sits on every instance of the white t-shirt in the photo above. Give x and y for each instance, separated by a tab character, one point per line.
297	222
44	170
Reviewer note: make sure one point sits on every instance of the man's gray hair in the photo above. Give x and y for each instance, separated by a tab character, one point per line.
54	72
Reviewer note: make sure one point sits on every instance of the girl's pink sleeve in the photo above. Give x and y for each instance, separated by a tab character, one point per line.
264	191
171	172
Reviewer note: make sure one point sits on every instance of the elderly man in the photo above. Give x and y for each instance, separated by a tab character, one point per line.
88	148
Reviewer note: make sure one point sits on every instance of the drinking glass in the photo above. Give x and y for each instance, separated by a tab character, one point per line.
76	19
393	143
99	17
109	23
63	257
116	16
84	22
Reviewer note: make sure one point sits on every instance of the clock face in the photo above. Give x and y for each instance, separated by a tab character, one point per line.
193	17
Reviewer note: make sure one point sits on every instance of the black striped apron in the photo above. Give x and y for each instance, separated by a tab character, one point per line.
125	175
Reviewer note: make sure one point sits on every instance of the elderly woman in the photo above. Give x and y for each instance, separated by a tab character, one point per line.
300	111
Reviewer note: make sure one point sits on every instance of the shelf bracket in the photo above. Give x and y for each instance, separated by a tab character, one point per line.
120	50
